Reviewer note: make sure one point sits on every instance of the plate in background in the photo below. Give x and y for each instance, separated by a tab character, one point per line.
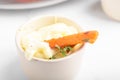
43	3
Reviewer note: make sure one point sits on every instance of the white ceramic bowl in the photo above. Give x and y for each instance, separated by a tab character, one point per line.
59	69
112	8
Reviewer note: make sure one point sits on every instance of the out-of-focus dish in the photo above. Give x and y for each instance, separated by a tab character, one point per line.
11	4
112	8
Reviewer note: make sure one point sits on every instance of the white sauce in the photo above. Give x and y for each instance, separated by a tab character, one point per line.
34	45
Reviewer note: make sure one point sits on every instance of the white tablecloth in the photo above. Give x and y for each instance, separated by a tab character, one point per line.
101	61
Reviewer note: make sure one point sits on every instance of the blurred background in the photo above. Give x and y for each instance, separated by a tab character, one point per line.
100	61
17	1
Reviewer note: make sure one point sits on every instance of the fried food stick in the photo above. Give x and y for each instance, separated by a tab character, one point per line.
71	40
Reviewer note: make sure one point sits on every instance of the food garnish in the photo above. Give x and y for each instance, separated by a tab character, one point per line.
67	44
61	52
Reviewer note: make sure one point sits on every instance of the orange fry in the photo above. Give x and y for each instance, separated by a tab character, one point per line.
70	40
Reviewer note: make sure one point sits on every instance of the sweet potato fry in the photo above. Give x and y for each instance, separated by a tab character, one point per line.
71	40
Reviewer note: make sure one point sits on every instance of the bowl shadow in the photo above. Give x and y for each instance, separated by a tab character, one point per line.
14	72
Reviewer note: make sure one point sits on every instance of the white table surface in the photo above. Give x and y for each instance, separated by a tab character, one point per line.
101	61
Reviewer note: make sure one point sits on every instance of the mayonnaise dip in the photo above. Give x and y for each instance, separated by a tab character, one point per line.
34	45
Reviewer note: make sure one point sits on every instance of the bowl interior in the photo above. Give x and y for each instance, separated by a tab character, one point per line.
39	22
